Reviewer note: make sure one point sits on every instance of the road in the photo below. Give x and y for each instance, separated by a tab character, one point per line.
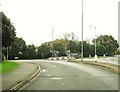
113	60
61	75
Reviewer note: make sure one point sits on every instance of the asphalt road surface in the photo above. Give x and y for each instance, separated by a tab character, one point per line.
60	75
113	60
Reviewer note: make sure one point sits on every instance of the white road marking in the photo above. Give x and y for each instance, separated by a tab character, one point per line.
55	78
44	70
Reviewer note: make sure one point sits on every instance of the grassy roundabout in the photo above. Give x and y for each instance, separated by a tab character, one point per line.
7	66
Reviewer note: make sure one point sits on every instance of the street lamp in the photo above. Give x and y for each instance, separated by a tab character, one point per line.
95	44
52	44
82	35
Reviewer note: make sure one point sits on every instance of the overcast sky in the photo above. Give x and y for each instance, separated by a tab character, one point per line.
35	19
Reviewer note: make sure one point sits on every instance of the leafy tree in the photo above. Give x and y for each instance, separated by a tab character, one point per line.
44	51
72	46
91	49
100	50
65	43
30	52
86	49
109	43
8	31
59	46
17	49
118	52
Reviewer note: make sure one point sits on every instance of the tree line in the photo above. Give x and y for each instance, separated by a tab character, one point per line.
17	47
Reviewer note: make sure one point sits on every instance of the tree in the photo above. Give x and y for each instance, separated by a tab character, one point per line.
72	46
17	49
30	52
108	42
8	31
100	50
59	46
86	49
118	52
44	51
91	49
65	43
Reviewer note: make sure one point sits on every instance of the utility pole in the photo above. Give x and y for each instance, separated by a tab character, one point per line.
95	46
52	43
95	57
82	35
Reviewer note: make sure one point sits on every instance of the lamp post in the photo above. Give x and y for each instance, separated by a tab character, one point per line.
82	35
95	44
52	44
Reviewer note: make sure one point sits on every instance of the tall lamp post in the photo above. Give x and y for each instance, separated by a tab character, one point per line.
52	44
95	58
82	35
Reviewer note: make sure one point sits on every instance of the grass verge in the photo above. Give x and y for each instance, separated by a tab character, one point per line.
7	66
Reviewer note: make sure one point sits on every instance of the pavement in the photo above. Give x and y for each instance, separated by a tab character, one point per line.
14	77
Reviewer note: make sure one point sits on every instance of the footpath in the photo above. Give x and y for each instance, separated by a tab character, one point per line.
22	72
